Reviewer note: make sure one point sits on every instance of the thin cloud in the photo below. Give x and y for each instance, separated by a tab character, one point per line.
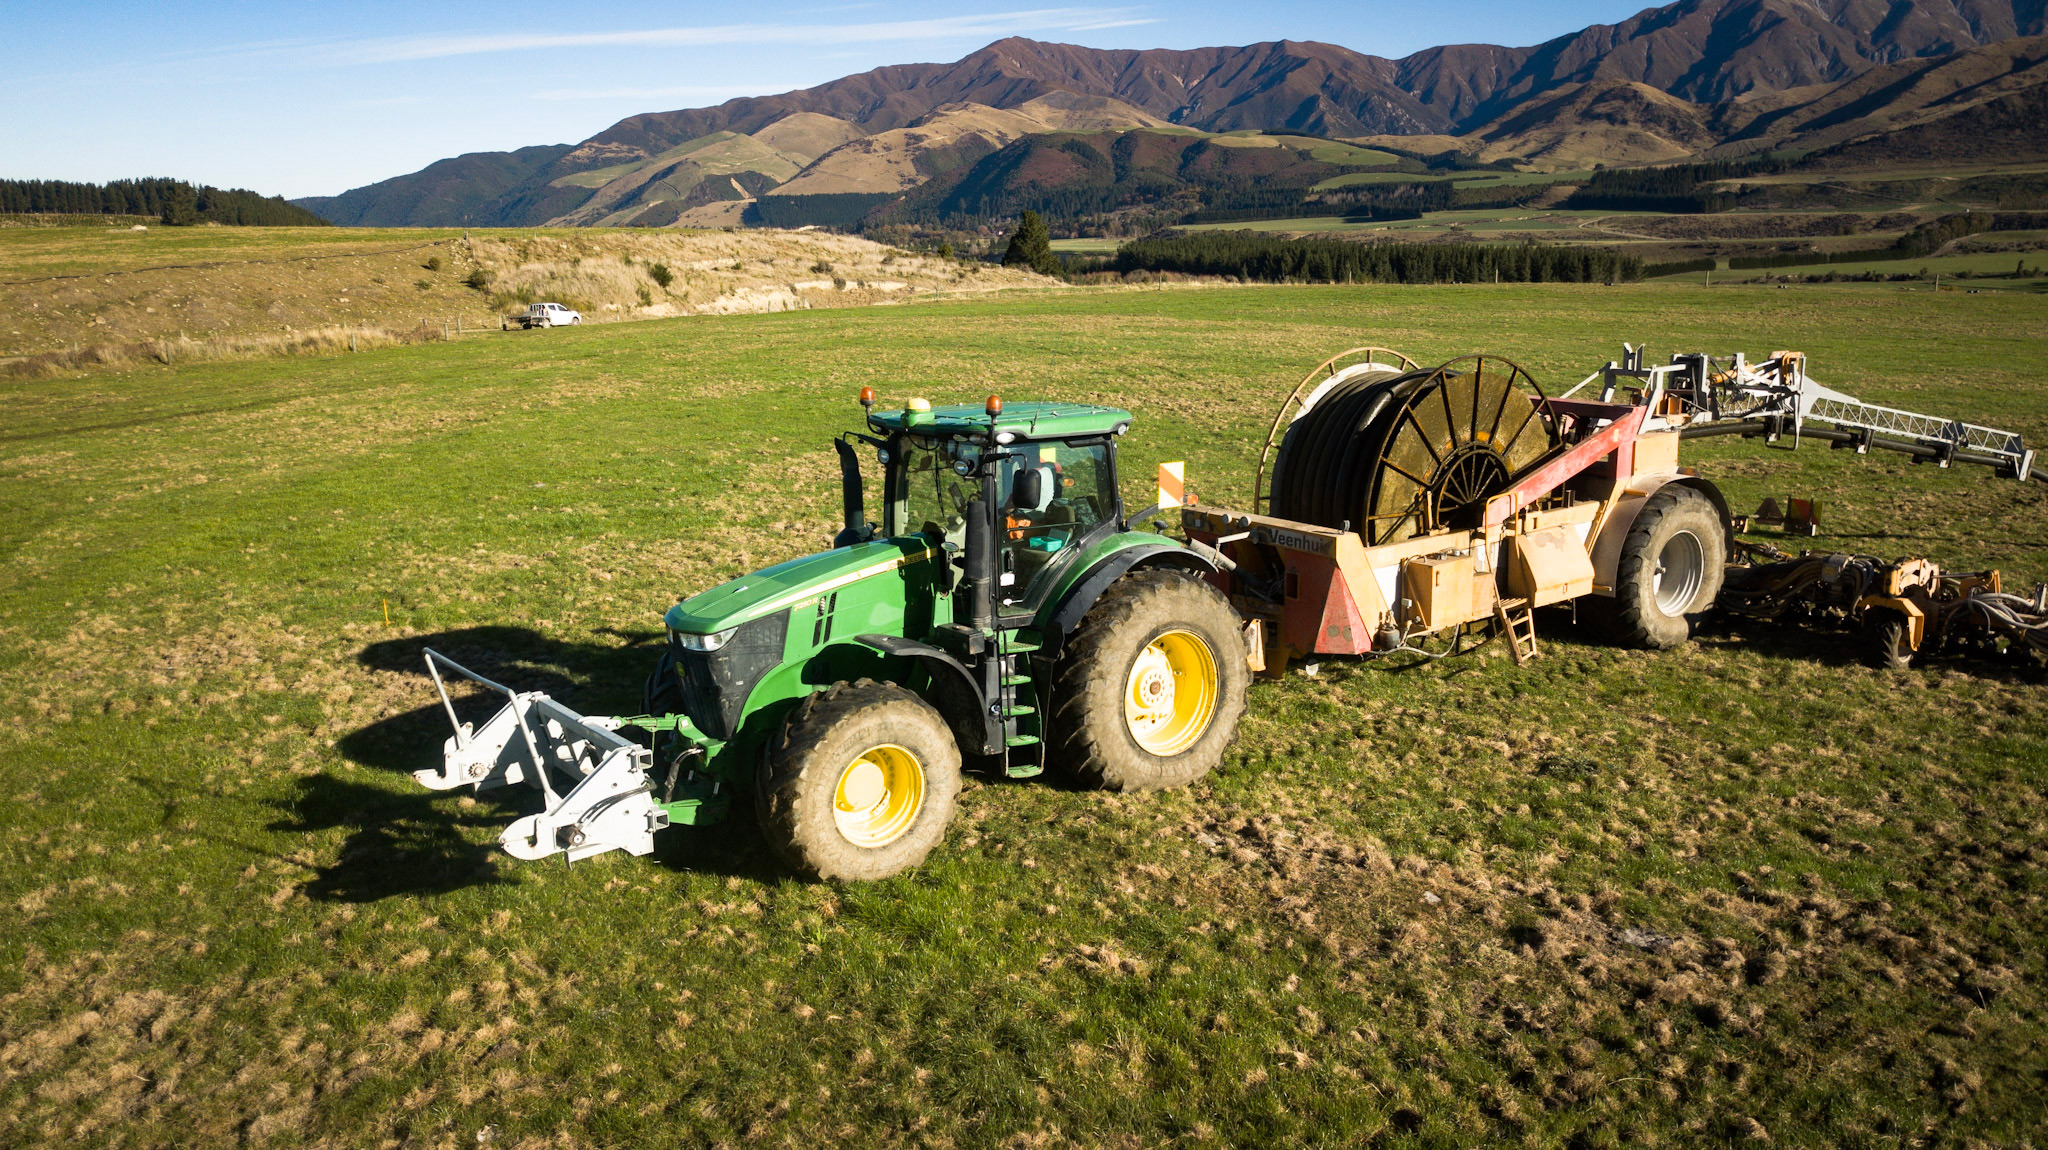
396	50
689	92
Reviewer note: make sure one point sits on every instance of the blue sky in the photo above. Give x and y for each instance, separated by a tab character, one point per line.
308	98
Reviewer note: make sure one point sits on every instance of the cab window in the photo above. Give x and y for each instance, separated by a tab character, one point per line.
1075	493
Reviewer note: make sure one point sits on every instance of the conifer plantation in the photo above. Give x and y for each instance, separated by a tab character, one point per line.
173	201
1274	259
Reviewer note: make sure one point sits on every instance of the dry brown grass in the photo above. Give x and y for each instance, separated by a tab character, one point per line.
84	298
171	352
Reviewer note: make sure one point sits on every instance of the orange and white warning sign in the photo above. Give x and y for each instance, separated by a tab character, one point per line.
1172	485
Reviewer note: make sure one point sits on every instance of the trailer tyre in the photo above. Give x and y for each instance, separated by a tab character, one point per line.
1670	569
859	783
1887	639
1151	686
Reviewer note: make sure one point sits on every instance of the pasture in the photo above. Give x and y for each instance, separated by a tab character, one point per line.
1745	890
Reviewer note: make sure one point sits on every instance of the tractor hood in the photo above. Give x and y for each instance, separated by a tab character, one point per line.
773	589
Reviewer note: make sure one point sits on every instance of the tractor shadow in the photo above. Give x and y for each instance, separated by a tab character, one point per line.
415	841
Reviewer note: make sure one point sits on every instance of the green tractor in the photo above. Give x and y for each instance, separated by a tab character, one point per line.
1003	613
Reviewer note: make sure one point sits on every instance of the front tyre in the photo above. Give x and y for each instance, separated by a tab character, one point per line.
1150	689
859	783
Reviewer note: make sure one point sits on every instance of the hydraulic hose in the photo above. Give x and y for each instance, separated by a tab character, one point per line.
1752	428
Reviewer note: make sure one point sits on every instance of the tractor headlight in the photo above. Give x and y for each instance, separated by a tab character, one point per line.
710	642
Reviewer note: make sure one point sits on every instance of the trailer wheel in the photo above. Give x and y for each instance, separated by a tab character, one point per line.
859	783
1670	569
1150	689
1887	640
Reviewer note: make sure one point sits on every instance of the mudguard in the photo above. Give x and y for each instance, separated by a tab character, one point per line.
1613	532
954	692
1069	612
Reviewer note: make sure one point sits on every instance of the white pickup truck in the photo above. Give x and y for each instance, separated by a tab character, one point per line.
544	315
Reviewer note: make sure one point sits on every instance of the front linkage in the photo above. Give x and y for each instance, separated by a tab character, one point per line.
600	786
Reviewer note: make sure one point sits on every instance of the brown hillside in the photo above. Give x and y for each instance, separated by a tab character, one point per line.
2008	130
1905	95
1614	122
888	161
1703	51
804	136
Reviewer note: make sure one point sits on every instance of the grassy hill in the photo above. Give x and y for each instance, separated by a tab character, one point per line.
80	293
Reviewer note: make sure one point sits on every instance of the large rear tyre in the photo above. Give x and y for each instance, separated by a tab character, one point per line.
1670	570
859	783
1150	689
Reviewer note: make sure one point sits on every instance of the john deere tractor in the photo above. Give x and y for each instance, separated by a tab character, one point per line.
1002	613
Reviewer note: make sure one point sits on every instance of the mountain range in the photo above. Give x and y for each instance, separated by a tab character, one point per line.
1850	81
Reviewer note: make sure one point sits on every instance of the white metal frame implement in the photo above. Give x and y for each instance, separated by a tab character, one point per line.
608	802
1782	383
1779	387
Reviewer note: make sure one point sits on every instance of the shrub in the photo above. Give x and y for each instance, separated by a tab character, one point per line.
661	274
822	268
433	264
479	279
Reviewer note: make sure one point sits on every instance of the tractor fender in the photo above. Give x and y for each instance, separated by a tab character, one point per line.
953	691
1082	596
1606	554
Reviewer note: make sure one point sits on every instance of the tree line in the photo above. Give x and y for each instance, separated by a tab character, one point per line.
172	201
1273	259
1924	240
1677	188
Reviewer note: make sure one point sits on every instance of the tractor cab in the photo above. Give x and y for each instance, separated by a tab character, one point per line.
1041	475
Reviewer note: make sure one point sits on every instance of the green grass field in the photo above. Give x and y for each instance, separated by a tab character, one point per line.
1747	889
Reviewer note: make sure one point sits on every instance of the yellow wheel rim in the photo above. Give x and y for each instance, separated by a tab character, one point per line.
1171	693
878	796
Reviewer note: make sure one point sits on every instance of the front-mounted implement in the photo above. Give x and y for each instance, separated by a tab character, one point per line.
999	612
599	785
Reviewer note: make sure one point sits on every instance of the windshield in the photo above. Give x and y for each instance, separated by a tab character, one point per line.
934	498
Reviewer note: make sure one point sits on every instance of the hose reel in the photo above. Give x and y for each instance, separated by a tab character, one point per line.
1397	453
